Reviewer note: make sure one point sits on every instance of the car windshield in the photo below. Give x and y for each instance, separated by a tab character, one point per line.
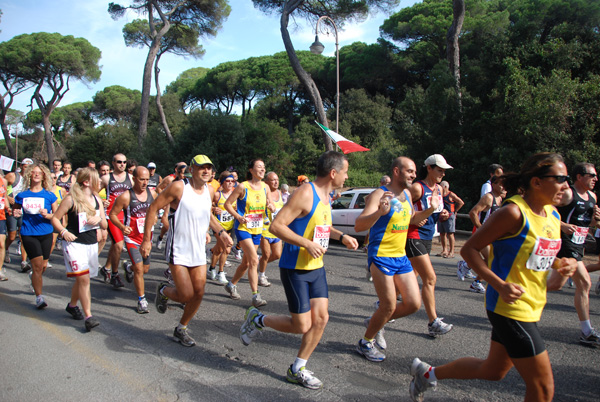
343	202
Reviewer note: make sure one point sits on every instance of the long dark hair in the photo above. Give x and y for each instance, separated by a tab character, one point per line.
535	166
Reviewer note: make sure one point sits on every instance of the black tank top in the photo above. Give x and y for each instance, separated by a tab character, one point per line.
86	237
64	184
154	180
579	212
484	216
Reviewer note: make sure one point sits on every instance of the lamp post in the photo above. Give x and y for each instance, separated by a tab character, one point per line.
317	48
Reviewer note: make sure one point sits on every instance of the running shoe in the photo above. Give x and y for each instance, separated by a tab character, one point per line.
477	287
25	266
105	274
379	339
438	327
40	303
232	290
181	336
75	312
593	339
6	258
18	247
142	306
369	351
168	276
31	282
3	275
304	377
58	245
263	281
460	271
249	330
597	288
221	278
48	265
238	254
369	277
116	281
257	301
161	243
570	282
419	383
90	323
128	272
211	274
161	300
227	263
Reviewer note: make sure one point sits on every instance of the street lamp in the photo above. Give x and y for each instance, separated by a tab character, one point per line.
317	48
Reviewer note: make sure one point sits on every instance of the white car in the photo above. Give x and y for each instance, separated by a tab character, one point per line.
347	208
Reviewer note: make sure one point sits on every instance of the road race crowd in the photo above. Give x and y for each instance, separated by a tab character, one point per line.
529	235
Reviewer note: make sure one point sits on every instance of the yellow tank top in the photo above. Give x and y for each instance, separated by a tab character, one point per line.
58	192
225	218
526	259
271	215
387	237
252	206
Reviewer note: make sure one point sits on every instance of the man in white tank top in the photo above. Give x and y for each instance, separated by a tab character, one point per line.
190	217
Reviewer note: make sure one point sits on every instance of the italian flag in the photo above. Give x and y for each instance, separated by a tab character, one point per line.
345	144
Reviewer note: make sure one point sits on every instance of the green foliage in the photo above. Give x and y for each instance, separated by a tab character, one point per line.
117	103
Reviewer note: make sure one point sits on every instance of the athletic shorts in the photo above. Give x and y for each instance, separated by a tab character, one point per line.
391	266
447	226
571	250
272	240
417	247
38	246
80	259
243	235
301	286
3	227
12	223
115	233
135	255
520	339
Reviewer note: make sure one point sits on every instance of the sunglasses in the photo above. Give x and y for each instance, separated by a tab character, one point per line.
590	174
559	179
230	181
121	162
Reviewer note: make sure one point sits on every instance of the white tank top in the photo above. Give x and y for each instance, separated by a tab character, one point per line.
186	239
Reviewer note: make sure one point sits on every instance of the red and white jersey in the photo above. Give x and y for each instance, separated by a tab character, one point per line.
135	216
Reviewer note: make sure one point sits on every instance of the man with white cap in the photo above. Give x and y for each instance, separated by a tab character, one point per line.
155	178
191	201
427	196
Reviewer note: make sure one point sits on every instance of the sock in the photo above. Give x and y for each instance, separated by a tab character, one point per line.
254	293
88	317
211	268
430	375
72	305
180	326
298	364
586	327
365	340
261	274
142	297
259	320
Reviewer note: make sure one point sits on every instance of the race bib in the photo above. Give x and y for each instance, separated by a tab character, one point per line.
140	224
32	205
2	205
274	213
580	235
440	207
544	252
83	225
321	236
225	217
254	221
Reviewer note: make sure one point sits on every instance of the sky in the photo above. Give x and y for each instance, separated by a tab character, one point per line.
246	33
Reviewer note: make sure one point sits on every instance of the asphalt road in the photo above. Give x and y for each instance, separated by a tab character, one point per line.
46	355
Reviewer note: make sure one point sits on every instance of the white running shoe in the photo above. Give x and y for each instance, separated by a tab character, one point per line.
3	275
369	351
161	244
379	339
477	287
257	301
419	384
227	263
221	278
232	290
263	281
18	247
238	254
211	274
438	327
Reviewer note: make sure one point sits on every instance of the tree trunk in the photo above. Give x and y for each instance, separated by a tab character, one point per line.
303	76
8	142
161	112
48	137
453	50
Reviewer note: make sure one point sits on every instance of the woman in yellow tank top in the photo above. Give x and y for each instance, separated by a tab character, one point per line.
525	239
252	198
219	255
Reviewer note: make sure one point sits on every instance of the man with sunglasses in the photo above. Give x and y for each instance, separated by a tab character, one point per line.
115	183
577	215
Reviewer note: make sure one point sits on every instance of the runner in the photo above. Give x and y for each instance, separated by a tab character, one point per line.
304	224
133	205
190	203
60	194
389	266
15	184
115	183
452	203
85	216
103	169
525	238
66	180
577	214
179	173
219	255
4	210
252	198
57	167
270	245
155	178
36	204
428	203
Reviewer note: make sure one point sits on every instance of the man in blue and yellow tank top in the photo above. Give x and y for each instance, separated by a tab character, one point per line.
387	214
304	224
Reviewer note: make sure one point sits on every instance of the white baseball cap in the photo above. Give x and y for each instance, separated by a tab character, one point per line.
151	165
27	161
437	160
